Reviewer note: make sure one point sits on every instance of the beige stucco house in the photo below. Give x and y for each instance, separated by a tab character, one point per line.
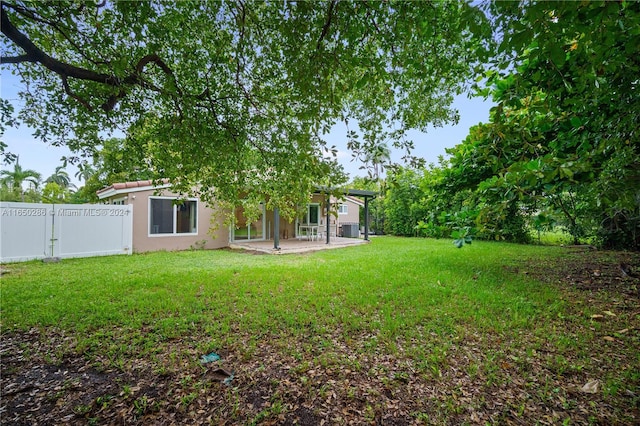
159	223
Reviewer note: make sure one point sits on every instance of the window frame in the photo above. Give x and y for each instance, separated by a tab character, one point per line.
346	209
174	209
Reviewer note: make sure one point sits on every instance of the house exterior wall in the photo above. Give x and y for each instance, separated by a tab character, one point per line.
175	228
143	241
336	220
353	213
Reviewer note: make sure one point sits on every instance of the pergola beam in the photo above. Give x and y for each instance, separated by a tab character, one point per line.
367	195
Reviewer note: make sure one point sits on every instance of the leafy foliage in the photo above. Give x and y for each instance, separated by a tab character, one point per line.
570	113
61	178
562	139
462	236
115	162
234	96
12	182
403	202
54	193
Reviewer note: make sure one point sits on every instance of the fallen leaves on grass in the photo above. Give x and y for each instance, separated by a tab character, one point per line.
592	386
340	377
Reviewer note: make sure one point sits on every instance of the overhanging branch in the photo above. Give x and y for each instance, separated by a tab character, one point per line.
36	55
15	59
69	92
327	24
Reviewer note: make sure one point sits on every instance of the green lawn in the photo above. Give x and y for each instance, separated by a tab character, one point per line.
400	330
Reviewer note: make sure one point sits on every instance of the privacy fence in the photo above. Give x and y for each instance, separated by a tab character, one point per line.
37	231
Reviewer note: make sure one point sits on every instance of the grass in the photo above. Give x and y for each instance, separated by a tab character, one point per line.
392	285
555	237
441	314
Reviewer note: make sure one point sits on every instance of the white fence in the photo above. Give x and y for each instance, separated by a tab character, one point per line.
36	231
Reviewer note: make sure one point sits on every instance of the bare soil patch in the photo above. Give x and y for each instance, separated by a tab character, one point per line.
585	269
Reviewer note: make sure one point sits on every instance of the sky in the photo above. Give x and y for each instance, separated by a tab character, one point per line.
43	158
429	145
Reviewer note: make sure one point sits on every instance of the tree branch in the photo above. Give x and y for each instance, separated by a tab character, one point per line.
68	91
327	24
113	100
66	71
15	59
156	60
35	54
31	15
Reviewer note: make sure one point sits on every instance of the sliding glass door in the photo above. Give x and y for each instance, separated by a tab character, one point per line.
248	231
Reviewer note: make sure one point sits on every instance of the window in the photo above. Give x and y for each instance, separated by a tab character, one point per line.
343	209
169	216
313	214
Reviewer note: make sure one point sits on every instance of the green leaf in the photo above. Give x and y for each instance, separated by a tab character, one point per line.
522	38
557	55
362	82
575	121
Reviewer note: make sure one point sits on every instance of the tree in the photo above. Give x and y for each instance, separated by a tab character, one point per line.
53	193
61	178
446	208
237	95
85	171
14	180
114	162
563	137
403	202
377	159
578	64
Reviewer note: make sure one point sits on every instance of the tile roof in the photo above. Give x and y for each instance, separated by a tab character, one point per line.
130	185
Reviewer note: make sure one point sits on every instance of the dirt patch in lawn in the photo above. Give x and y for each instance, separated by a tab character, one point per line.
479	377
589	270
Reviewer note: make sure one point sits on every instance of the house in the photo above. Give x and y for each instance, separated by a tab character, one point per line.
159	223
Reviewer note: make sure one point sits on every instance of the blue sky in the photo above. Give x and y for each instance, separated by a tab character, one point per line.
431	144
44	158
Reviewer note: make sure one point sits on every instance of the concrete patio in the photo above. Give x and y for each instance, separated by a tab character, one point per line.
294	245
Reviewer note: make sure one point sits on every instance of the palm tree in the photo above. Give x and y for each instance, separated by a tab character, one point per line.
85	171
61	177
378	157
15	179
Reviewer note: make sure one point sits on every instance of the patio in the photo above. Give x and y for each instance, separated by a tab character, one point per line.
294	245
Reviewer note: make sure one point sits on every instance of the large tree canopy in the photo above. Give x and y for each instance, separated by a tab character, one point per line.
238	95
564	139
574	106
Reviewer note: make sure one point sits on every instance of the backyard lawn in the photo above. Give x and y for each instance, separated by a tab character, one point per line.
399	331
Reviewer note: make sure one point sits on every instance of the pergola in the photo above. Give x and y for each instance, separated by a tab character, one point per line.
367	195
